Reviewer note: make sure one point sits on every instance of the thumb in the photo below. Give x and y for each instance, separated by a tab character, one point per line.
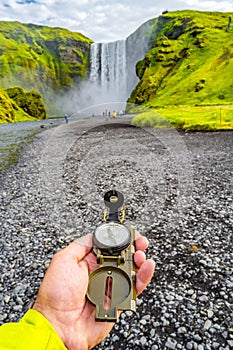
80	247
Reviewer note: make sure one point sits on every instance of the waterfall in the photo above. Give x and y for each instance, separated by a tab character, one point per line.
112	76
112	71
108	71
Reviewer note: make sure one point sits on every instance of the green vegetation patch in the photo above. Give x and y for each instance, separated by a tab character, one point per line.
6	108
16	105
201	118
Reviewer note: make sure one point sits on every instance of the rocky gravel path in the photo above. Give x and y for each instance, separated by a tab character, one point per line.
178	191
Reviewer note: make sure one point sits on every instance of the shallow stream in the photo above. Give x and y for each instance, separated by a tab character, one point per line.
14	136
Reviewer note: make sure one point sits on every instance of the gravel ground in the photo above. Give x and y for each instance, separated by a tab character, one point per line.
178	191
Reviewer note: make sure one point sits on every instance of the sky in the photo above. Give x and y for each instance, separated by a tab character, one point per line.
100	20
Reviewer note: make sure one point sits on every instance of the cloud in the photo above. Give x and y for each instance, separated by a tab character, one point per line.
100	20
209	5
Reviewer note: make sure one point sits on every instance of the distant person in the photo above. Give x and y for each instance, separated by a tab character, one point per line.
66	118
114	114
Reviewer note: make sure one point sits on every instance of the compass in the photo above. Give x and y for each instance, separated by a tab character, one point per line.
112	236
112	286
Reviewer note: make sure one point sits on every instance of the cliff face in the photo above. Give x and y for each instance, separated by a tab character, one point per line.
137	45
42	58
190	61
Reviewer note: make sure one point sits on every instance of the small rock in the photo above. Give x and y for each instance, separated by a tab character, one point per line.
197	337
143	322
146	317
7	299
129	313
115	338
170	344
182	330
225	334
139	301
203	262
154	347
143	341
152	333
170	298
203	298
189	346
190	292
166	323
194	249
3	317
17	308
156	324
207	324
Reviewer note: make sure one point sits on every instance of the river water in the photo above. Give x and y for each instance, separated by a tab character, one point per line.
14	136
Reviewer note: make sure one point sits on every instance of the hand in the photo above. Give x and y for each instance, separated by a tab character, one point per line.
61	298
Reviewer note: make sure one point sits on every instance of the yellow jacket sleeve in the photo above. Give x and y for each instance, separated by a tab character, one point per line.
32	332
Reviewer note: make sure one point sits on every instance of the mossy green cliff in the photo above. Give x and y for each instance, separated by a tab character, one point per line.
50	60
17	104
190	62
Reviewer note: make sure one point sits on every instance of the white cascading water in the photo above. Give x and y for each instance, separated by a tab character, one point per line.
112	73
108	74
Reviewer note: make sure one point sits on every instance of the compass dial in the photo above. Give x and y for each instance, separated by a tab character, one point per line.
112	236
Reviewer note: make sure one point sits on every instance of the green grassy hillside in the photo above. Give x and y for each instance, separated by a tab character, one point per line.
18	105
190	63
50	60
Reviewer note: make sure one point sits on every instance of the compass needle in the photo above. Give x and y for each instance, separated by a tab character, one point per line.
112	236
